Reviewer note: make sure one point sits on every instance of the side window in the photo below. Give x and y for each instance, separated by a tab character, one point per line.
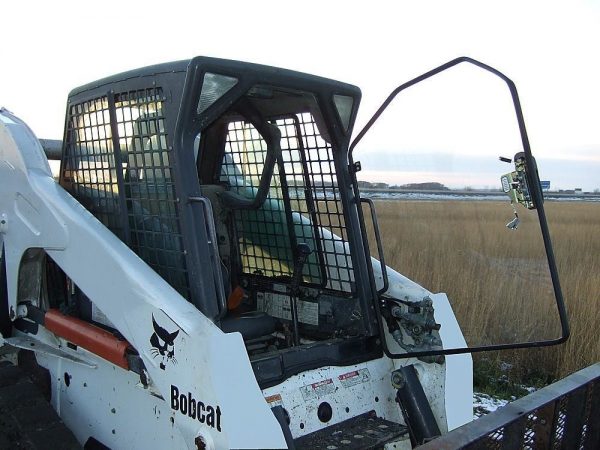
303	205
309	166
264	240
149	186
89	170
130	189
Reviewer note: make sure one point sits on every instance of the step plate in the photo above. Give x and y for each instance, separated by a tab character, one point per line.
366	431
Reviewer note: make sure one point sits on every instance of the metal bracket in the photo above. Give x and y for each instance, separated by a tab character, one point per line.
355	167
34	345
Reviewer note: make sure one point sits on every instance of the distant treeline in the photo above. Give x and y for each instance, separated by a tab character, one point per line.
429	186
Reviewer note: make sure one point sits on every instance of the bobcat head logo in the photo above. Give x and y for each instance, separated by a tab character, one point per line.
163	345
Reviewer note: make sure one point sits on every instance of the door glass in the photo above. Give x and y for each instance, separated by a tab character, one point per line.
431	164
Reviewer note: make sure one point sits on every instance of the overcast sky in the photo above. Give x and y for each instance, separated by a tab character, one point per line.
551	50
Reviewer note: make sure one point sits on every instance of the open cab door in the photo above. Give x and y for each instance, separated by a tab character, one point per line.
461	212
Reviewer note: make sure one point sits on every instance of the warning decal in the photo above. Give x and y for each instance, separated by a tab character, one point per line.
355	377
319	389
274	400
279	305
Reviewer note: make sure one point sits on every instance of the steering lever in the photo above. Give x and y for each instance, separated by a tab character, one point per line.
302	252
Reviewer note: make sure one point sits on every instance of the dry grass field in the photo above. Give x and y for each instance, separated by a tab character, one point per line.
498	279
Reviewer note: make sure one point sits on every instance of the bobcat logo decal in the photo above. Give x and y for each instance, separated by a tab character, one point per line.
163	344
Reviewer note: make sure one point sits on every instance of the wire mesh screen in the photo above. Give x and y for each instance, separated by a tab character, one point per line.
264	239
149	185
591	429
138	202
303	204
558	429
327	202
548	419
89	171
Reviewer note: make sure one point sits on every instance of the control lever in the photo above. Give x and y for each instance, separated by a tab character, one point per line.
302	252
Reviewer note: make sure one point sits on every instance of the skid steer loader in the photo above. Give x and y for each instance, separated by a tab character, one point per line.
201	275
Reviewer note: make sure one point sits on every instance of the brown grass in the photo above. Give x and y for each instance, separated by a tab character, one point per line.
497	279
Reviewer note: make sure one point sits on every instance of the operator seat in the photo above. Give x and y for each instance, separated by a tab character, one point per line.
253	324
250	325
226	197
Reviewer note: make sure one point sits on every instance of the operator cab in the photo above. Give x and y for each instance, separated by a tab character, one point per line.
232	181
269	171
270	166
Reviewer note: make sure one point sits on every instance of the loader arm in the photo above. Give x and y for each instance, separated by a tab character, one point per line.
212	367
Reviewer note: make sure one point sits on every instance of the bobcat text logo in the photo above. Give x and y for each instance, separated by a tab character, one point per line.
189	406
163	344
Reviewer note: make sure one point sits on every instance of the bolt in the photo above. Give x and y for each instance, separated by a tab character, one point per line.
200	444
417	329
398	380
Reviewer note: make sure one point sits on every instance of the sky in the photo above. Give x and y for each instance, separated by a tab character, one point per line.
548	48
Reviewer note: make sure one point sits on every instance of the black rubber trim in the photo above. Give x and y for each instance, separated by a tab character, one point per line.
272	370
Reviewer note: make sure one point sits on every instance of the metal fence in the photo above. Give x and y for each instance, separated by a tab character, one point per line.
564	415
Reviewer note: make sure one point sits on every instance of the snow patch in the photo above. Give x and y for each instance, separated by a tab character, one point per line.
484	404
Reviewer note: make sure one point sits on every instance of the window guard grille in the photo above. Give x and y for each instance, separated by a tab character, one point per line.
147	189
303	204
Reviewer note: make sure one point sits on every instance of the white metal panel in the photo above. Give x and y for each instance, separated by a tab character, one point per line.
448	387
459	368
110	405
24	213
130	294
349	390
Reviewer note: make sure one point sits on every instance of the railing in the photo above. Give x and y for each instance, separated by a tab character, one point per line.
563	415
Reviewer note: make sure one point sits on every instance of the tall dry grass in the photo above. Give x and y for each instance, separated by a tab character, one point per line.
575	231
497	279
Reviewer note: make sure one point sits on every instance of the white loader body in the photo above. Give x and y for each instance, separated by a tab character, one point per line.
208	392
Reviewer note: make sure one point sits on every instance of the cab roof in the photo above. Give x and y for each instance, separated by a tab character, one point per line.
225	66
